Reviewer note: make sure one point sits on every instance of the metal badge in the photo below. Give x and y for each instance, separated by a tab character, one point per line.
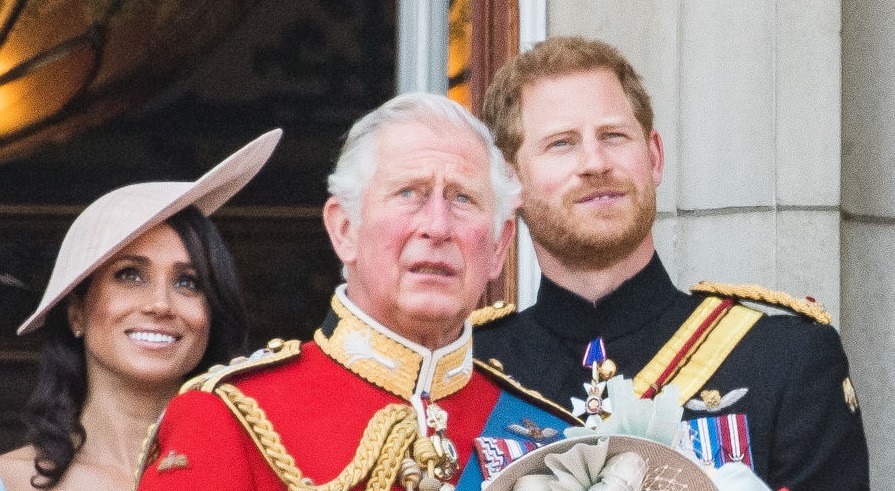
173	461
851	397
530	430
712	401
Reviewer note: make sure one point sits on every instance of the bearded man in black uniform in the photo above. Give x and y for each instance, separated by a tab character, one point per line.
773	392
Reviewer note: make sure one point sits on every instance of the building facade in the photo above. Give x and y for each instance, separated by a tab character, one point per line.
779	142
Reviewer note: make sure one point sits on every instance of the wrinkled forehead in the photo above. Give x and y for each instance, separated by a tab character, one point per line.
425	147
443	128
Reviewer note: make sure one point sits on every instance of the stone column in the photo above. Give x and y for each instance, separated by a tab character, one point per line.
868	225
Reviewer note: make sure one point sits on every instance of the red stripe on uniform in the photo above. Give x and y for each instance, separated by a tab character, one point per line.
674	366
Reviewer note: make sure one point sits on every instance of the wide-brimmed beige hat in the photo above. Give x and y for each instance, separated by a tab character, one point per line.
115	219
666	469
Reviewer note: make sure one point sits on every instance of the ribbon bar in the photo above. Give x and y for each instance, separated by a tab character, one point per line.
595	353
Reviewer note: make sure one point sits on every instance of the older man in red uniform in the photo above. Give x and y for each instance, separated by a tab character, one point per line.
388	394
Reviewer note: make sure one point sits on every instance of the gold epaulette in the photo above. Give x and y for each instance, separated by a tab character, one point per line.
493	369
277	351
808	307
491	312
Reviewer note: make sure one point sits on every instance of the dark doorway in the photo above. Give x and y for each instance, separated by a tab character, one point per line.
310	67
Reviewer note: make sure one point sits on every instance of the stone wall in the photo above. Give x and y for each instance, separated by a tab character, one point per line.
764	107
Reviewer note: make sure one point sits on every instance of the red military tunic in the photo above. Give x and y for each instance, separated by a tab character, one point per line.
320	404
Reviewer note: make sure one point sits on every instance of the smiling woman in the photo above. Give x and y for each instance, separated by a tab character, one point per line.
144	315
144	294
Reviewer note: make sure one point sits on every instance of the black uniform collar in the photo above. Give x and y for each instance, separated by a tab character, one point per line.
638	301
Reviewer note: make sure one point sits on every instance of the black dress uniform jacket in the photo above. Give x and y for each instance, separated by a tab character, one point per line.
804	434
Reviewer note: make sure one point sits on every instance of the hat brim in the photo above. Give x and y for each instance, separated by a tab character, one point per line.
114	220
654	453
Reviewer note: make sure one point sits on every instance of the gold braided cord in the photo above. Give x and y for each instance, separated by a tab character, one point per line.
262	432
806	307
424	452
383	444
401	436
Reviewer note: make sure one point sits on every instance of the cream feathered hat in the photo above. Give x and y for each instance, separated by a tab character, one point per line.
115	219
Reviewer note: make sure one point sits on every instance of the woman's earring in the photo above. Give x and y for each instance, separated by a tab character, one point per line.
78	333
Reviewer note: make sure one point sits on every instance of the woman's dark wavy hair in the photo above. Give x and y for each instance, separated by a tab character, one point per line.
52	414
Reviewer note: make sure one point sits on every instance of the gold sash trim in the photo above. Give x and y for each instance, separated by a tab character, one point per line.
706	356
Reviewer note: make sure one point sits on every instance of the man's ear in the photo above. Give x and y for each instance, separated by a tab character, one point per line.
657	156
502	246
339	227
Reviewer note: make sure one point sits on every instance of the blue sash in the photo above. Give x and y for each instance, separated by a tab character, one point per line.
512	418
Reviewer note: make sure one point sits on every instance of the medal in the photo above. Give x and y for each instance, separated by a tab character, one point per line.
594	403
717	440
601	369
446	464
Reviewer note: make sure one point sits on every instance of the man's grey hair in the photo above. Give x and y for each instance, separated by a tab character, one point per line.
357	160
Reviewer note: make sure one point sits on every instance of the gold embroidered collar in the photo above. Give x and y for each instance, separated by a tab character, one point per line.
392	362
